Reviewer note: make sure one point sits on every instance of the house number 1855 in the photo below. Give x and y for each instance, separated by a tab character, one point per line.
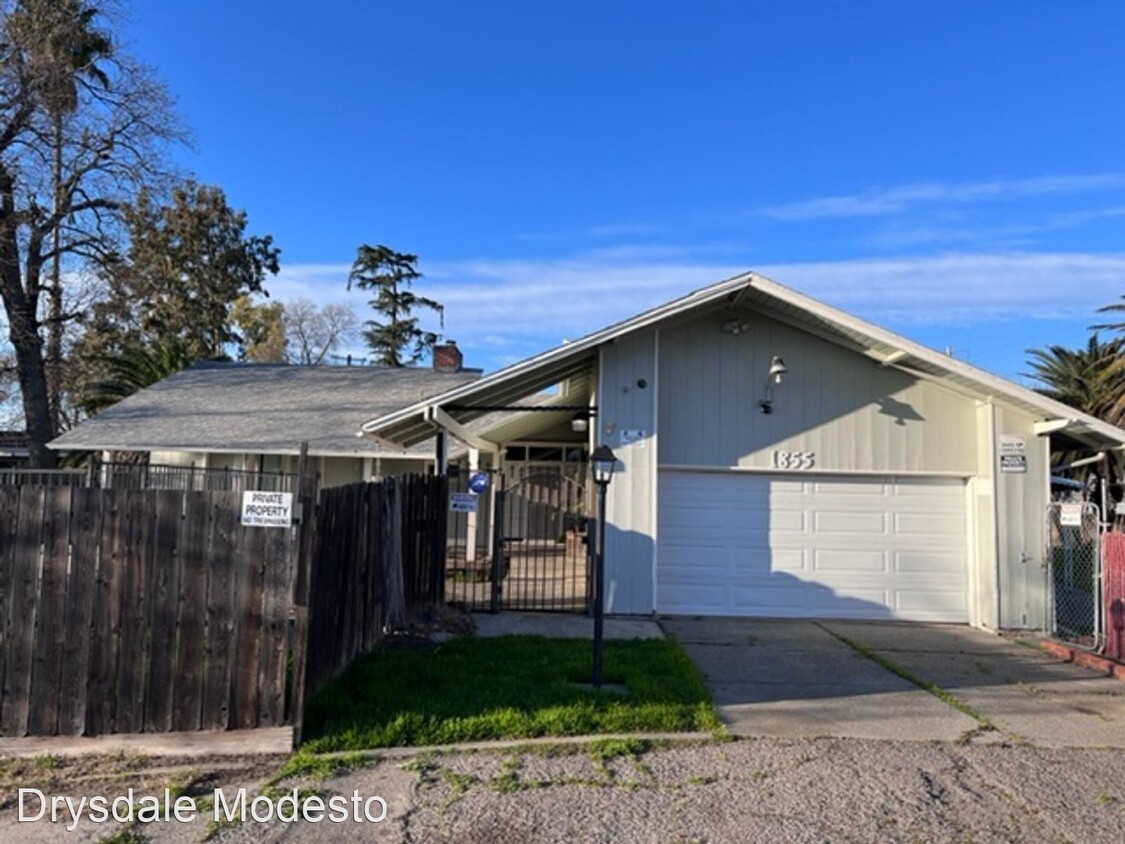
794	459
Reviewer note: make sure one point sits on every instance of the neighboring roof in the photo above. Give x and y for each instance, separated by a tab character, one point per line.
408	425
261	409
13	444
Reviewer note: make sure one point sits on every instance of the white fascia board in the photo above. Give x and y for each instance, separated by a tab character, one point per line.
893	358
1052	426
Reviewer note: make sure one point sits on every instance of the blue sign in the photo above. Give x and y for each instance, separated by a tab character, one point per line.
478	482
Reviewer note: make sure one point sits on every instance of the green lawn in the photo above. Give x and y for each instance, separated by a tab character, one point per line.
471	689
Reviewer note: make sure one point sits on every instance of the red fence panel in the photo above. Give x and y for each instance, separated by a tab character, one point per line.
1113	569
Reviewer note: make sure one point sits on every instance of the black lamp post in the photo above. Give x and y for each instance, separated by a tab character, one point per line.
603	461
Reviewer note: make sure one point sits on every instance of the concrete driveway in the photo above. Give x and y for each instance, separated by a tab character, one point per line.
885	680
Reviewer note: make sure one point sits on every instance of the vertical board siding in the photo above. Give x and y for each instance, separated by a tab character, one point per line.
854	414
630	507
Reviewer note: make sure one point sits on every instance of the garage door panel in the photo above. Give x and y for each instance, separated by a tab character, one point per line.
791	521
855	521
849	489
851	602
941	564
849	561
930	605
930	524
786	559
812	546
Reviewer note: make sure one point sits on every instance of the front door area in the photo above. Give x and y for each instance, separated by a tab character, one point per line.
524	547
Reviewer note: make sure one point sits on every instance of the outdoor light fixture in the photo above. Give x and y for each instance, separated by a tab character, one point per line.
603	461
735	326
777	370
580	423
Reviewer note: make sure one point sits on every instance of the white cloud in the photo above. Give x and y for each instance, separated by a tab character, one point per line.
899	198
965	289
503	310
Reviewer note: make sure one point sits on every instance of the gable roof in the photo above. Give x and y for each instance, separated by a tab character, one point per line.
409	425
261	409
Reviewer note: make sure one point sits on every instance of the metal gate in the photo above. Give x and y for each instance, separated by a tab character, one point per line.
1074	574
524	545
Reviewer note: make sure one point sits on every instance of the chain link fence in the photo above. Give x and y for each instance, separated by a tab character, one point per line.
1074	572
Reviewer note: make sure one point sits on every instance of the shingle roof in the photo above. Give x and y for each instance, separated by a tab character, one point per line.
260	408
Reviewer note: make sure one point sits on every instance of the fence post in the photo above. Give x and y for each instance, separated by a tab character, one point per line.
391	541
499	564
300	574
439	525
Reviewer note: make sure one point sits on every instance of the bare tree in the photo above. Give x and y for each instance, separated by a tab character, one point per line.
315	332
74	145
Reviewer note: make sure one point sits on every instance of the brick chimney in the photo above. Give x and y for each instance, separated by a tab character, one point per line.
447	357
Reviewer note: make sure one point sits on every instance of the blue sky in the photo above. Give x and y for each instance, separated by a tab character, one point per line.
953	171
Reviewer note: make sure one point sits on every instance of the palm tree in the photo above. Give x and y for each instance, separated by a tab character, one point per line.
132	370
1090	379
1119	327
64	48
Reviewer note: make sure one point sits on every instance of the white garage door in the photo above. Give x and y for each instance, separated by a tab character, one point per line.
812	546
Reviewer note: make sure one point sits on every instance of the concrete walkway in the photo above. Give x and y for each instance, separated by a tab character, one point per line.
804	679
562	626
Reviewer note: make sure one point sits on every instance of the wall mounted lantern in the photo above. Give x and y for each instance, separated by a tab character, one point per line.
778	369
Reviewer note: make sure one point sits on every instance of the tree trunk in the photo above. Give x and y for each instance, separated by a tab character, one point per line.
55	292
21	306
33	387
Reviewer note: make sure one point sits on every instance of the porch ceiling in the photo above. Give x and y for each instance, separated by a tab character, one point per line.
523	388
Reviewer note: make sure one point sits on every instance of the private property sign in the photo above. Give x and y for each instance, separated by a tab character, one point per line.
267	509
1013	453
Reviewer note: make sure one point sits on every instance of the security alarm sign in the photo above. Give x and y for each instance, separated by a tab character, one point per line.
1013	453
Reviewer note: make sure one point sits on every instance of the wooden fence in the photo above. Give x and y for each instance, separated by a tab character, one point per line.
378	550
129	611
139	611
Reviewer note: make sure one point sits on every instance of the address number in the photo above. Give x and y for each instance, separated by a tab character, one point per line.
794	459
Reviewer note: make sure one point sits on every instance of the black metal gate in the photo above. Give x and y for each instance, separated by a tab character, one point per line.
519	544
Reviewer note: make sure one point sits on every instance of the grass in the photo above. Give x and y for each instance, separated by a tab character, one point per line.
514	687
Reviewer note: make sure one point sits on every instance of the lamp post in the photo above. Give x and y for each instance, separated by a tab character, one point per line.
603	461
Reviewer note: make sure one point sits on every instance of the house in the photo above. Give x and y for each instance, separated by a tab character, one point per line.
252	418
13	449
779	457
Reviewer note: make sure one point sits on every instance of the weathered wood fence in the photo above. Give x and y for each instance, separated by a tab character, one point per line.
378	550
139	611
156	611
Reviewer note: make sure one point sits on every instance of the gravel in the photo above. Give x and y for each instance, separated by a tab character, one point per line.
784	790
767	790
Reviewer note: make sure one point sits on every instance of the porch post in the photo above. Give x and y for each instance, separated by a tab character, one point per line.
471	518
441	461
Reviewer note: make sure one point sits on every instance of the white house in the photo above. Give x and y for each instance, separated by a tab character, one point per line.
779	457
